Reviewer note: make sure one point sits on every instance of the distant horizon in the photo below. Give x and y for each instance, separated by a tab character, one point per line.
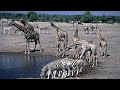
97	13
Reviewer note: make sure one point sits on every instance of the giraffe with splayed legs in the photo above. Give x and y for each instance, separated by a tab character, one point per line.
29	34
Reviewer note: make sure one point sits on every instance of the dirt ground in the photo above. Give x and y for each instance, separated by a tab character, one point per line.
108	68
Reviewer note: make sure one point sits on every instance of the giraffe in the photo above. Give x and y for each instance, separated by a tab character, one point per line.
86	46
91	48
62	39
102	43
29	34
27	25
75	39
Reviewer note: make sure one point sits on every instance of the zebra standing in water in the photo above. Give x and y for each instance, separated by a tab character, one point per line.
62	68
29	34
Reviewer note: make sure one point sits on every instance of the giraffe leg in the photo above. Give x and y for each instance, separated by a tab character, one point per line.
93	59
58	48
39	45
83	52
96	60
63	54
92	31
105	51
28	47
35	44
4	31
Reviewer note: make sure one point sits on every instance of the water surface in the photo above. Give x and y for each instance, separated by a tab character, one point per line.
13	66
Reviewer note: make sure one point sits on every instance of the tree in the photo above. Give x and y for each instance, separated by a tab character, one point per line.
32	16
87	17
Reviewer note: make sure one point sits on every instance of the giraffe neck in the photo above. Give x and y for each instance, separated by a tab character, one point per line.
21	28
100	37
57	28
76	32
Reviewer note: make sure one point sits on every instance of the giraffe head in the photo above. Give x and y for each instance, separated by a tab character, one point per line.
99	35
23	22
52	25
11	22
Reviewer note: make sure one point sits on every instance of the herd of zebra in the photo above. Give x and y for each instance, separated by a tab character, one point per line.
65	67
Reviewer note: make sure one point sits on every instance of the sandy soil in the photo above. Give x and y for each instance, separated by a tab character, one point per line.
108	68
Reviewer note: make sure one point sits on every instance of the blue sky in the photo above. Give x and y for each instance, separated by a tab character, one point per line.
114	13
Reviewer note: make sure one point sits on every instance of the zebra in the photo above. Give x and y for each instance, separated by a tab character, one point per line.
56	65
62	68
42	29
86	30
8	29
94	28
71	22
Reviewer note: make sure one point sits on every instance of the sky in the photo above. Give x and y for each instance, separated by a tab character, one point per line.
114	13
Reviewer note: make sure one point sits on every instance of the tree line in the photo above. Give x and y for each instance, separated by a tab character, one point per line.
87	17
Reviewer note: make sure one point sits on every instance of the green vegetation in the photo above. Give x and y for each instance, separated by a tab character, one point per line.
87	17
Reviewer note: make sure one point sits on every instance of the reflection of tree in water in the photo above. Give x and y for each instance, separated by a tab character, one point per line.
30	60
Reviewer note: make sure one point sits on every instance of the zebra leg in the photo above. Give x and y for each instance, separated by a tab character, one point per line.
77	70
72	71
59	73
80	69
68	71
63	73
48	74
54	74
